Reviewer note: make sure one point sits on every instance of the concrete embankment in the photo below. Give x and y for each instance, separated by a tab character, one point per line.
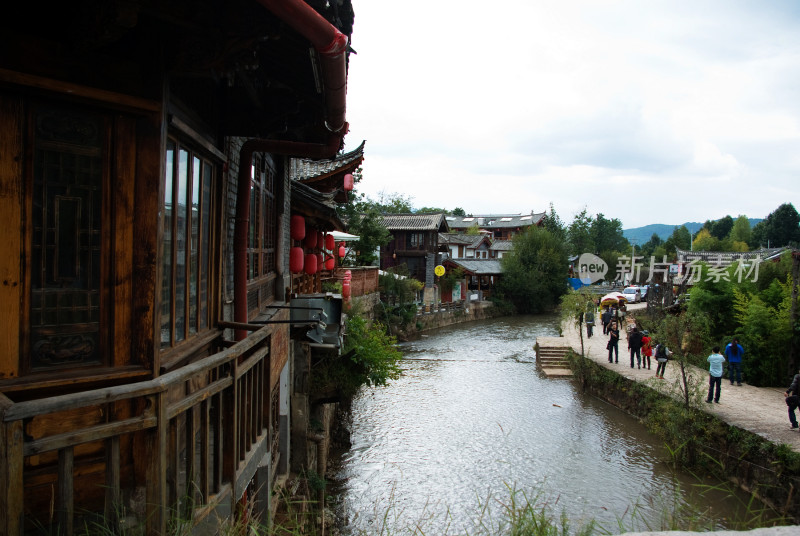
426	321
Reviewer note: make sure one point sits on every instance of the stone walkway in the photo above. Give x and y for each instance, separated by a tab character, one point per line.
761	410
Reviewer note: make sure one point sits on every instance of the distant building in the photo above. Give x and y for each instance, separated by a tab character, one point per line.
415	243
499	226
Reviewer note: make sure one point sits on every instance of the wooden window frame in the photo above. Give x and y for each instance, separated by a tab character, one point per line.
199	306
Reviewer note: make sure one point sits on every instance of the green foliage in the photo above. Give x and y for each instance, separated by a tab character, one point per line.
554	224
575	306
534	272
369	357
451	277
373	355
397	288
780	228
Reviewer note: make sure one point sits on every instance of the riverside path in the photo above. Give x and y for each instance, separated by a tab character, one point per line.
760	410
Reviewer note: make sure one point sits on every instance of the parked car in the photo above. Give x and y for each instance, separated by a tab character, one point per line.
643	291
632	294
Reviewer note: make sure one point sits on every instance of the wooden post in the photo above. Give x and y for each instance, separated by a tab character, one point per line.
156	509
11	462
65	499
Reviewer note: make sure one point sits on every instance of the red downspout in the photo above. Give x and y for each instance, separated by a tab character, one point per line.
332	47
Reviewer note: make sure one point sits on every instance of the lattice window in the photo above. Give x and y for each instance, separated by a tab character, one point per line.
66	231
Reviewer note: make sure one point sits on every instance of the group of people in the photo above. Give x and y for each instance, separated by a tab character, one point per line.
642	348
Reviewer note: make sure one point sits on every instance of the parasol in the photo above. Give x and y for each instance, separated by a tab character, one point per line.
612	297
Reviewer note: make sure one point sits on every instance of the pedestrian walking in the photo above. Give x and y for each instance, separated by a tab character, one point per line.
606	319
635	346
662	356
613	342
734	353
590	314
792	396
715	361
647	350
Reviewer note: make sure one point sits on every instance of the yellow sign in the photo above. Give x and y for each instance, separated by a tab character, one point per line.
439	270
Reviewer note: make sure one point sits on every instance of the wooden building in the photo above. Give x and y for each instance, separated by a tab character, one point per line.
415	243
146	200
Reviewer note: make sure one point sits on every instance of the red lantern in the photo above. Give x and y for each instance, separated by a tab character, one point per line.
320	262
341	252
298	227
330	263
330	242
311	238
310	265
320	239
346	289
348	182
296	260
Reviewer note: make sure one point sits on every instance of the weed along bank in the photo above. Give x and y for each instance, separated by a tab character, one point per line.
169	177
745	438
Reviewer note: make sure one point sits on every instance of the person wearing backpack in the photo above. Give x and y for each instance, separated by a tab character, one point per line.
635	346
792	396
662	356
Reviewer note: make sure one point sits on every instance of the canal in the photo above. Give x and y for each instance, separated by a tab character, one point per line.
472	425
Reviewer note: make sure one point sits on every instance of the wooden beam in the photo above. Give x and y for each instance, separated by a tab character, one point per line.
118	100
10	242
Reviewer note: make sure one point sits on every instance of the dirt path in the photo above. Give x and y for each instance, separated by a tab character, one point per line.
761	410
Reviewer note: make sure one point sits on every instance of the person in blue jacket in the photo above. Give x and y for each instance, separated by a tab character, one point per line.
734	353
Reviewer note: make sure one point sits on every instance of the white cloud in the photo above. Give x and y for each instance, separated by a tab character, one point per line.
507	106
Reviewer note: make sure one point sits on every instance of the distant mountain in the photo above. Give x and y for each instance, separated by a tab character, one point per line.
664	231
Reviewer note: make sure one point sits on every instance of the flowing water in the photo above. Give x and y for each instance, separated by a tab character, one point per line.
471	419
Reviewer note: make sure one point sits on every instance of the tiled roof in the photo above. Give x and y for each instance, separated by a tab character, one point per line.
479	266
495	221
456	239
724	258
501	245
305	169
414	222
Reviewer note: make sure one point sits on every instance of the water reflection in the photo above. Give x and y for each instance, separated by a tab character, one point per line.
471	416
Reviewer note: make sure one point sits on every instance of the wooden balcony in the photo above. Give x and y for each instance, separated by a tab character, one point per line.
198	432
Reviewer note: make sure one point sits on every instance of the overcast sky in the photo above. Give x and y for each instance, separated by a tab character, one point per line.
646	111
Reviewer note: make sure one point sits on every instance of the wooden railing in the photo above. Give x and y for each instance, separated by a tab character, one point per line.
205	429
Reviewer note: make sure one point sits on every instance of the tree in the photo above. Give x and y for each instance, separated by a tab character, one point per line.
458	211
364	219
575	305
719	229
534	271
431	210
578	234
553	223
683	334
680	238
780	228
741	231
607	235
393	203
704	241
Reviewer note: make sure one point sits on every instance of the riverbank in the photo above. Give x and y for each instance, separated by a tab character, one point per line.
427	320
747	434
760	410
